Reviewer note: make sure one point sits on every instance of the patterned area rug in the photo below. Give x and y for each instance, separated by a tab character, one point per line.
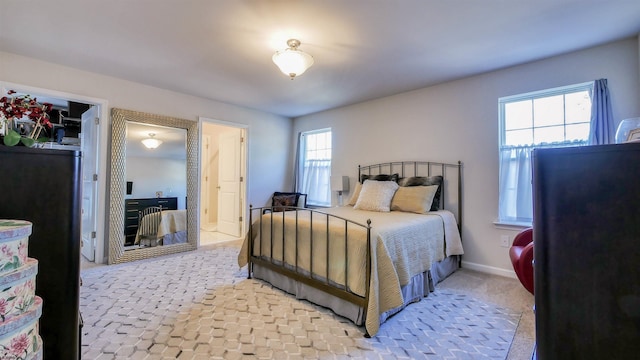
199	305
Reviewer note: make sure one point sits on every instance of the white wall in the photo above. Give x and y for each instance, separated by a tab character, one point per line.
268	162
150	175
458	120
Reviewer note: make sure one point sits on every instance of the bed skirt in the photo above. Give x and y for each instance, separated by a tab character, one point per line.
179	237
420	286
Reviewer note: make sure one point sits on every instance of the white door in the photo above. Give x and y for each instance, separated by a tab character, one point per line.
89	181
229	183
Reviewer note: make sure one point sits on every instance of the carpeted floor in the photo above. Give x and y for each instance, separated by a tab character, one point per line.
199	305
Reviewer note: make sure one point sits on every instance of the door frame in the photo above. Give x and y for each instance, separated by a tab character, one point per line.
100	153
244	168
204	191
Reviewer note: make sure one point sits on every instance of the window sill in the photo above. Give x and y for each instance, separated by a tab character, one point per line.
511	225
312	206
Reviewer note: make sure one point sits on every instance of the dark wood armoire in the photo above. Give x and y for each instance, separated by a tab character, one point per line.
44	187
587	252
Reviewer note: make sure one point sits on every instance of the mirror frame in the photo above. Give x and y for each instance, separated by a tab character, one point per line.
119	119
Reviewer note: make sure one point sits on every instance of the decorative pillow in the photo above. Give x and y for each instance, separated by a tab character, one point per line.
356	193
281	200
376	195
415	199
379	177
425	181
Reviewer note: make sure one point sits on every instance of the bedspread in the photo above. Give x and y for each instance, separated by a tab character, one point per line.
402	245
171	221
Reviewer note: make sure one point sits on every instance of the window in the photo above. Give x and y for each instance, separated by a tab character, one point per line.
548	118
314	168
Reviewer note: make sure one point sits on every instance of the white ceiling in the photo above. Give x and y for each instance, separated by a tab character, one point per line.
174	141
363	49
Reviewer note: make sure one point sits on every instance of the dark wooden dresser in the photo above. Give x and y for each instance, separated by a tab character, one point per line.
133	206
587	252
43	187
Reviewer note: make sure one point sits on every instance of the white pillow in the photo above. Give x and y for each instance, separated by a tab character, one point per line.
415	199
356	193
376	195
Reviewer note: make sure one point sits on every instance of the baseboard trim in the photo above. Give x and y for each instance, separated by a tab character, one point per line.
488	269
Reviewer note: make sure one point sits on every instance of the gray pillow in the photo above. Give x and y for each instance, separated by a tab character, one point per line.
425	181
379	177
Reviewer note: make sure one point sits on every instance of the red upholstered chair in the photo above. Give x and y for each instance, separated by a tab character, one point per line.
521	254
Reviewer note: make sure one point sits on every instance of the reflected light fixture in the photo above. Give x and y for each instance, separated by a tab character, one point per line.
291	61
151	142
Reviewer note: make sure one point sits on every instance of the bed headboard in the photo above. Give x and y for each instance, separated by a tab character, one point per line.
451	196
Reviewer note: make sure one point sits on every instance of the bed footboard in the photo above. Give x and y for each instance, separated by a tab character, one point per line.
320	250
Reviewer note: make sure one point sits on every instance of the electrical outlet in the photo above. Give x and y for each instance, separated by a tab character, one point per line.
504	240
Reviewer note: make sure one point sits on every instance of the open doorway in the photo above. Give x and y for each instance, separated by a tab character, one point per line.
222	181
75	121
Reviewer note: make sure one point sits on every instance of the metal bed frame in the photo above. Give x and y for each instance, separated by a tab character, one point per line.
323	283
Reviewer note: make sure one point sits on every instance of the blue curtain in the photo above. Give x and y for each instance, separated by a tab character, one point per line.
602	124
296	175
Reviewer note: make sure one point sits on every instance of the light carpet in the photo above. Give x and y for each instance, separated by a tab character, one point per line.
199	305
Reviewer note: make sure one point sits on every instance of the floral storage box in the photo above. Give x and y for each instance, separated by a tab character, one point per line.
14	242
20	308
19	337
18	291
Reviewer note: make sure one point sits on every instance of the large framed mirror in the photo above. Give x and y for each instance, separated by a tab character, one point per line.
123	198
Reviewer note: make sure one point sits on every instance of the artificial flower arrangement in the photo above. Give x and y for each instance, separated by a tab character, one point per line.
14	107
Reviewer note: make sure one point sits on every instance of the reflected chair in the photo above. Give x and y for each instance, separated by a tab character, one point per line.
148	224
521	254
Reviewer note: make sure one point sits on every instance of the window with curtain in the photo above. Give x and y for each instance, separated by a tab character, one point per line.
314	167
549	118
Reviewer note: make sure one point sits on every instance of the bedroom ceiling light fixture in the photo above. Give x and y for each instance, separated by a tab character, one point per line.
151	142
291	61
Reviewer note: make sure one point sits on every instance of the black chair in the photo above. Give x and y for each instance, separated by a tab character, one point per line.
283	201
148	223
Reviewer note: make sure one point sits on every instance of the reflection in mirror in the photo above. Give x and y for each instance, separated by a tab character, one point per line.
144	180
156	193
